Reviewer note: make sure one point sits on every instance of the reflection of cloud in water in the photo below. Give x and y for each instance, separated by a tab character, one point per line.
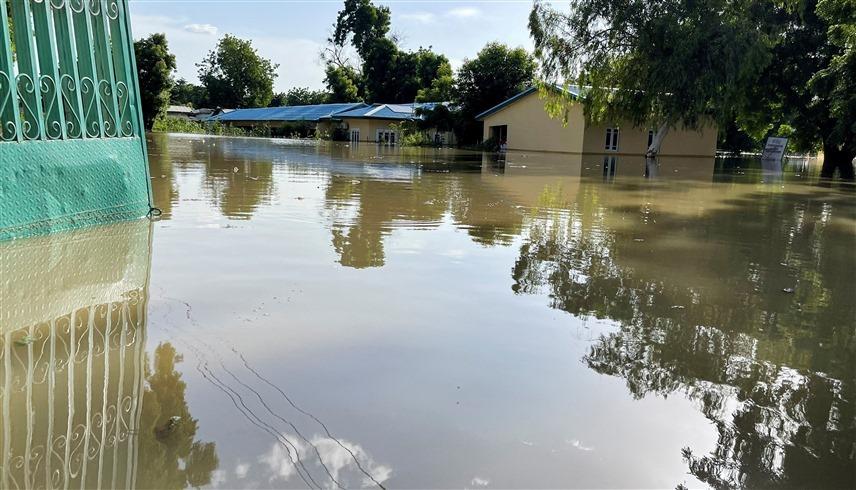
579	445
480	482
218	477
281	460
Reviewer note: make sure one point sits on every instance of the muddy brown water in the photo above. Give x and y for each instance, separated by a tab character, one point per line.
326	316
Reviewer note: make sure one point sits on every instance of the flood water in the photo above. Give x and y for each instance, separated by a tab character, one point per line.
317	315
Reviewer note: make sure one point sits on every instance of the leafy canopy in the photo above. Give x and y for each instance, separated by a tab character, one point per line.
497	73
300	96
235	76
189	94
664	62
385	73
155	65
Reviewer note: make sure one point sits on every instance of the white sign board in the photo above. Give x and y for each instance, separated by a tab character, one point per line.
774	152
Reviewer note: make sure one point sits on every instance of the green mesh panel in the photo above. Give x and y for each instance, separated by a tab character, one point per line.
47	186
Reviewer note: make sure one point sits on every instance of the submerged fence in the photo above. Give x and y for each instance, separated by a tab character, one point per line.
72	147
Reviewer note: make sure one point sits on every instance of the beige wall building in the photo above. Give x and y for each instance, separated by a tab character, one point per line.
523	124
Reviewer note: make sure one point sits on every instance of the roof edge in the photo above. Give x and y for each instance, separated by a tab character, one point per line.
533	88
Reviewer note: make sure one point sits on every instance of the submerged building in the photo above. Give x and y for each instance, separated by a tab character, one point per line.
356	122
522	123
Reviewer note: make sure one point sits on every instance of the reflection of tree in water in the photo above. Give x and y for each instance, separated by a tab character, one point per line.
775	372
236	182
169	455
358	239
161	168
365	211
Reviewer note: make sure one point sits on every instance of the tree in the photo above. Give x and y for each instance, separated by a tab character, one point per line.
189	94
300	96
236	76
838	80
495	74
386	73
659	64
807	91
343	83
155	65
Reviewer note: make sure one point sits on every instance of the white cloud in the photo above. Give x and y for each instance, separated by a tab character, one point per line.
419	17
241	470
206	29
480	482
299	64
464	12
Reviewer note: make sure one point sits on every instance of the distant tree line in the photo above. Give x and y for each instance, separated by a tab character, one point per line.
233	75
757	69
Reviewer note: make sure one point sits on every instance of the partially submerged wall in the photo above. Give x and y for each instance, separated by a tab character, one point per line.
72	151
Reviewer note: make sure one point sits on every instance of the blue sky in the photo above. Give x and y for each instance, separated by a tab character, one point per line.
292	32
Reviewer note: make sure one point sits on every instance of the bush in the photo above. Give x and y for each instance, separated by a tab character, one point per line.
181	125
177	125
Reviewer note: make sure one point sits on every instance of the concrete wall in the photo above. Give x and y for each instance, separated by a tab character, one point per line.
530	128
368	128
634	141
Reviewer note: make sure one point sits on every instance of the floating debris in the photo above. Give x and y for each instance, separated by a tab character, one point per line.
788	290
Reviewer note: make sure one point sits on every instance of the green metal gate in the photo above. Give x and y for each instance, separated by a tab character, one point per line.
72	145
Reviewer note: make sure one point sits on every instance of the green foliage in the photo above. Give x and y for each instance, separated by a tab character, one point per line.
188	94
495	74
810	85
171	124
170	455
837	81
300	96
364	23
670	64
386	74
440	117
235	76
410	134
181	125
343	83
155	65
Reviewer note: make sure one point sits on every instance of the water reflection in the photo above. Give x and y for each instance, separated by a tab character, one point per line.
773	370
81	404
708	304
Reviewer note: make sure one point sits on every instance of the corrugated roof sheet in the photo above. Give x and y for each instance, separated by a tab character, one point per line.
573	90
387	111
311	113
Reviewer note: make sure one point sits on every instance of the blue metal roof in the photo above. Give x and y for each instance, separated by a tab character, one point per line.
313	113
573	90
387	111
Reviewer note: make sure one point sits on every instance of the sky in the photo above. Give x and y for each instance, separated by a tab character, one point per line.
292	33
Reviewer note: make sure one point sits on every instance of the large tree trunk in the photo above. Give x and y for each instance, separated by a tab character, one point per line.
837	159
657	141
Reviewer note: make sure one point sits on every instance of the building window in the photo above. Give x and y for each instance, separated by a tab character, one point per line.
386	137
355	136
611	139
